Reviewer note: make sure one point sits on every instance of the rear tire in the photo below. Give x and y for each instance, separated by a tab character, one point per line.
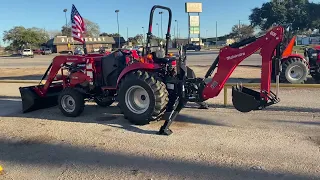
151	97
71	102
294	70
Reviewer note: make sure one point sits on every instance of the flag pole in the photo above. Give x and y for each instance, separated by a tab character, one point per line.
84	46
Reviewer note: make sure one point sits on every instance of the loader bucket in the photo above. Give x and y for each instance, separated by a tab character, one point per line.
245	100
31	100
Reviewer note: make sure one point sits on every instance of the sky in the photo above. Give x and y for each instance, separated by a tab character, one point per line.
133	15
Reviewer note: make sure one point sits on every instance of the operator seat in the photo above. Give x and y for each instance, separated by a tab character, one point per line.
111	67
158	53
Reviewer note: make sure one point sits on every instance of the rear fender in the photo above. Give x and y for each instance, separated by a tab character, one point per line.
285	58
137	66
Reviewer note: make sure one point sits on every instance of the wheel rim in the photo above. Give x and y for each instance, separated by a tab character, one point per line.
68	103
295	72
137	99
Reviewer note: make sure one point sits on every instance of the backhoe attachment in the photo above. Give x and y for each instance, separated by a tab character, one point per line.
245	99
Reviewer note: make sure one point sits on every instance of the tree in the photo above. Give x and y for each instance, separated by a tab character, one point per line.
66	31
110	35
284	12
54	33
139	38
20	37
93	29
242	32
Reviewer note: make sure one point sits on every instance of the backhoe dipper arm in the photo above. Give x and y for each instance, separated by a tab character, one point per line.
230	57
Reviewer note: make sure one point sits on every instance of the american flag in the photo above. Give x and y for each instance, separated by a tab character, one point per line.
78	25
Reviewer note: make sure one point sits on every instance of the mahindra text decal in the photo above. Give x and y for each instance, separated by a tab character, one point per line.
273	34
235	56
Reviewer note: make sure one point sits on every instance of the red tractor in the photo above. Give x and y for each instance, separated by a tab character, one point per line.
146	90
295	68
313	57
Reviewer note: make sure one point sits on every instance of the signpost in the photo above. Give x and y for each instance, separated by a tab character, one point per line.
194	20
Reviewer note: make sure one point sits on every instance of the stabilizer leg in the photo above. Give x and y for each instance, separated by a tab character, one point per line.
178	105
203	105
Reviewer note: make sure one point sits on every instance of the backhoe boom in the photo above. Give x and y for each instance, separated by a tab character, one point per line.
230	57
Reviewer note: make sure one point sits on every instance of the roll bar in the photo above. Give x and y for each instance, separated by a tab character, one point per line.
149	34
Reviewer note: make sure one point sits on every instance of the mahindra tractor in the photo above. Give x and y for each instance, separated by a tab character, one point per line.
313	56
295	67
147	87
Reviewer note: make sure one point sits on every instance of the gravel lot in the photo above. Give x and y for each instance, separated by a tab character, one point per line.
281	142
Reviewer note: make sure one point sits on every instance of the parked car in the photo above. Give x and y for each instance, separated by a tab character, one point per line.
37	51
193	47
138	48
27	52
47	51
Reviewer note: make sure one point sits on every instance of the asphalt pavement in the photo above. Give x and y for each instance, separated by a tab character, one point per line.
202	58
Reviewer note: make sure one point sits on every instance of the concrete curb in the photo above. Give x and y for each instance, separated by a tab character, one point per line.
9	97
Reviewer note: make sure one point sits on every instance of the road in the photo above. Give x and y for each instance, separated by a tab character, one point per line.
280	142
201	58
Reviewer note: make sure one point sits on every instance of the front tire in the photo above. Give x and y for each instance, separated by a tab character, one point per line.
142	97
294	70
71	102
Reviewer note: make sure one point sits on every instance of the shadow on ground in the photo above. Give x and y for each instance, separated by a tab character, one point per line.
310	80
110	116
270	108
51	152
26	77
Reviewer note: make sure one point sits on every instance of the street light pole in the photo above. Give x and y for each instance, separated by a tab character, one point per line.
161	24
65	14
127	36
158	30
117	11
177	28
143	36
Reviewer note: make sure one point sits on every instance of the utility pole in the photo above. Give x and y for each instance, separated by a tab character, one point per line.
161	24
117	11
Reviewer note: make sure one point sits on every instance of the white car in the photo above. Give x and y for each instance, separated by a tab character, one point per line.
127	48
138	48
27	52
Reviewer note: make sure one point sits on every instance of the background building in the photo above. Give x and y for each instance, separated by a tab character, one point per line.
63	43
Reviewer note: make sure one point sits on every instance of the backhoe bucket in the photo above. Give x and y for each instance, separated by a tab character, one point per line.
245	99
32	101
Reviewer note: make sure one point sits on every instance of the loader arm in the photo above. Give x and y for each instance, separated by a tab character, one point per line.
57	63
231	56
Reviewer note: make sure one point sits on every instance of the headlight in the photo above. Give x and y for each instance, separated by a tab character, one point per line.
314	54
